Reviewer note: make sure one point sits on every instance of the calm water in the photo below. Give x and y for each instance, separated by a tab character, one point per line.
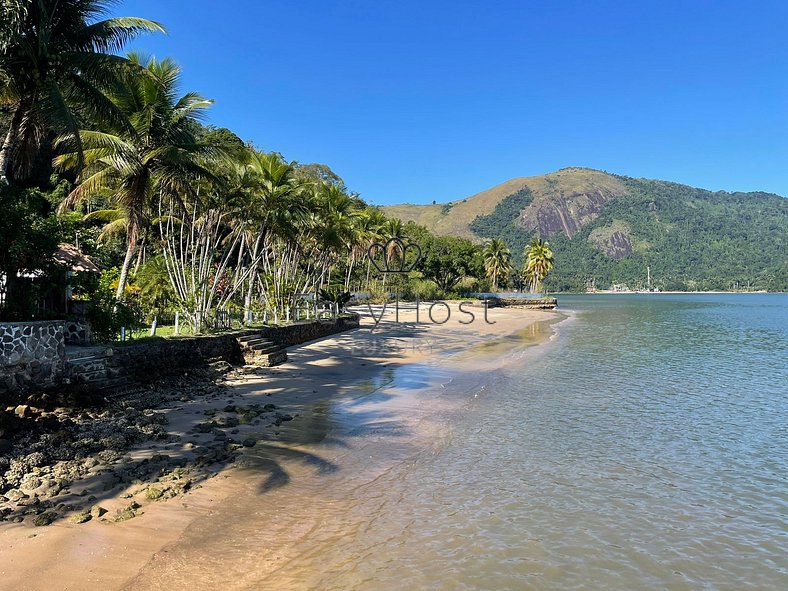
644	448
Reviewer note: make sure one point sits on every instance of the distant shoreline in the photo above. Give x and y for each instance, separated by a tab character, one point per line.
601	292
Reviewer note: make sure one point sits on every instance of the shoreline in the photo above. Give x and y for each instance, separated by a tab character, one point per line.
602	292
101	554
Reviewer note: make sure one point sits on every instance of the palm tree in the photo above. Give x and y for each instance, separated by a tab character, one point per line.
154	153
55	57
277	206
497	261
538	262
372	222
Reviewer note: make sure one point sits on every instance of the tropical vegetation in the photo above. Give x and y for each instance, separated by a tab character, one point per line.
497	261
609	230
539	261
106	151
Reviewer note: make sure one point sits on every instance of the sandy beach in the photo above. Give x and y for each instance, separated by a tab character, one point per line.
241	523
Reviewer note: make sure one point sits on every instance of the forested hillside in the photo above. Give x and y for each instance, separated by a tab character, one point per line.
610	230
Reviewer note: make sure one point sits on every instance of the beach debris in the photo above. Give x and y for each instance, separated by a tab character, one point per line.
52	440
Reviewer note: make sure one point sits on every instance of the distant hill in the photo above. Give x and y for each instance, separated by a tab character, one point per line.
608	228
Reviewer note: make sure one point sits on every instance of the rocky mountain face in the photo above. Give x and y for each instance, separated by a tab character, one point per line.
563	201
608	227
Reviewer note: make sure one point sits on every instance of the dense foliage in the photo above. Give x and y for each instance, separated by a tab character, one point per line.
501	222
105	152
691	239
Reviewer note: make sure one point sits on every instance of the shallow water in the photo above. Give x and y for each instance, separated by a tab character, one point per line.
644	448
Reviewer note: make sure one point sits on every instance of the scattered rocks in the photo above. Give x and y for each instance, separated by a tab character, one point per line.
44	519
51	440
97	511
153	494
129	512
14	495
82	517
30	481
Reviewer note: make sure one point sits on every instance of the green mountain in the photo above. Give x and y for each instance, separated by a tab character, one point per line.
608	229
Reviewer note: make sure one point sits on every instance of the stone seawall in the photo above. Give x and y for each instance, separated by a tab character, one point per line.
32	354
150	359
308	330
527	303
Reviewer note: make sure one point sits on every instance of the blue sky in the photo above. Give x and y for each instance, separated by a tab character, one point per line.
436	100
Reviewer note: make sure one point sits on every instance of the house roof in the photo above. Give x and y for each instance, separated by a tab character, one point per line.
70	256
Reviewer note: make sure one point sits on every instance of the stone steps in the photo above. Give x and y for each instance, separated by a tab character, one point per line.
88	369
260	351
116	385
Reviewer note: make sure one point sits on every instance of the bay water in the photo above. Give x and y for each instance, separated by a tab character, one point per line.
643	446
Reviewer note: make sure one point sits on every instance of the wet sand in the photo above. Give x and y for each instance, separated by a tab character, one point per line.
303	484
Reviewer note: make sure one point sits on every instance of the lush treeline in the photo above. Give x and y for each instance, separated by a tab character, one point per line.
692	239
107	152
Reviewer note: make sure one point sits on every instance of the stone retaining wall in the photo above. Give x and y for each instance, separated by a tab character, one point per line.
308	330
527	303
149	359
32	355
77	332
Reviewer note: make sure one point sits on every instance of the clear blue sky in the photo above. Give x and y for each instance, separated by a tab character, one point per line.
421	100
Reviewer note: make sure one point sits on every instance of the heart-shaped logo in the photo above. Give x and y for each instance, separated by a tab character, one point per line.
394	254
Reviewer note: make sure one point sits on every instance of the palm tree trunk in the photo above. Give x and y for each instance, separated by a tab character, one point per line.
12	137
248	298
140	258
124	272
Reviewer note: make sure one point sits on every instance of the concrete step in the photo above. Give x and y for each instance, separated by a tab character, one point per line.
266	348
90	377
245	339
114	386
74	353
253	342
87	364
277	358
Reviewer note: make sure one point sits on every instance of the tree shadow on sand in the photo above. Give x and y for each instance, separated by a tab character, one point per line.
190	453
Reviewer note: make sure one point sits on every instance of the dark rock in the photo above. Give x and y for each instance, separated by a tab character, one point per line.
44	519
82	517
97	511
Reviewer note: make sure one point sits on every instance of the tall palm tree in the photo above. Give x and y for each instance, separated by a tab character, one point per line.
497	261
276	206
55	57
152	153
372	222
538	262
